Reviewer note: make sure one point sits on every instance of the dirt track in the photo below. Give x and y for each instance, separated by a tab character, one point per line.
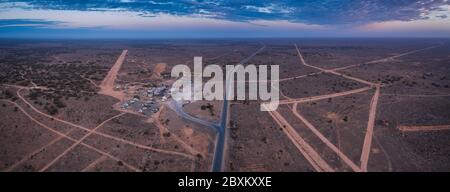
99	133
369	131
384	59
108	83
423	128
320	97
307	150
316	132
312	156
77	143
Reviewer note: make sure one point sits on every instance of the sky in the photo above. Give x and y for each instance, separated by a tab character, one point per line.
223	18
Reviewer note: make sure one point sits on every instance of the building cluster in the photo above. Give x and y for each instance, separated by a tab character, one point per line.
147	100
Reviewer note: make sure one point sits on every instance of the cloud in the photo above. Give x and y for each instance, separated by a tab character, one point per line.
6	23
224	18
325	12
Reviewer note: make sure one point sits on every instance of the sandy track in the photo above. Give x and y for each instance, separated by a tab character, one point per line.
407	128
78	142
304	147
298	77
369	131
300	56
373	106
303	62
95	162
384	59
321	97
350	66
311	127
353	78
65	135
28	156
415	95
100	133
308	152
108	83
